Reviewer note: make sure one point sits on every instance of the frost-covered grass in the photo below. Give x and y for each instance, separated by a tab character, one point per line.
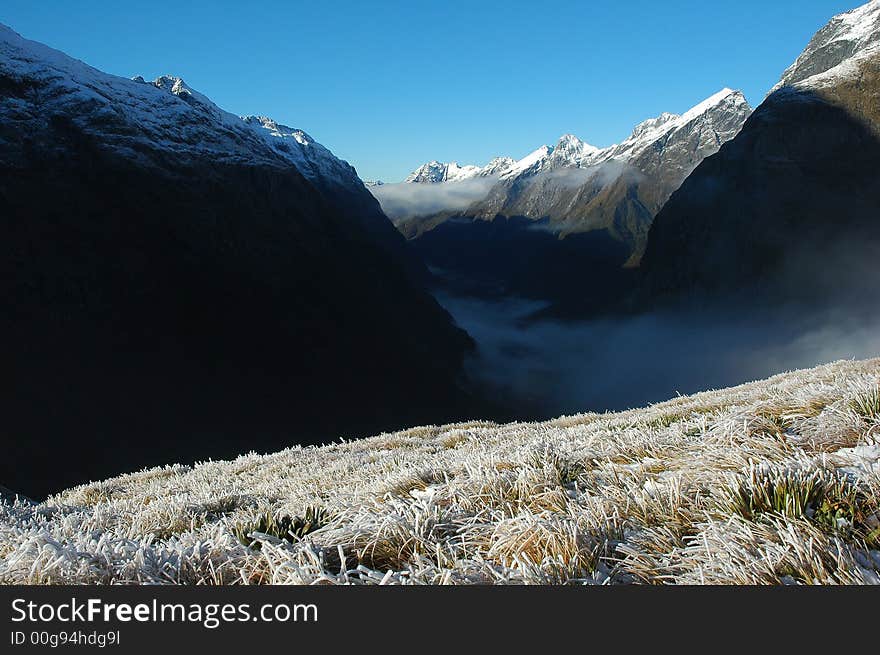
773	482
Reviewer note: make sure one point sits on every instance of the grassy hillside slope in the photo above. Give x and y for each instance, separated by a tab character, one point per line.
771	482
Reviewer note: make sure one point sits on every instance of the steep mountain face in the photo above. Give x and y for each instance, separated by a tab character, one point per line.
790	206
179	281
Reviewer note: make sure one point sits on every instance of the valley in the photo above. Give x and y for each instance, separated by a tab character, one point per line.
708	248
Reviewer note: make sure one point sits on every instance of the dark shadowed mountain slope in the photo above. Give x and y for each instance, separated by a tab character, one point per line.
791	207
177	283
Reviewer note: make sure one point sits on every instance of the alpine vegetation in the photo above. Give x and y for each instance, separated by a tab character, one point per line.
771	482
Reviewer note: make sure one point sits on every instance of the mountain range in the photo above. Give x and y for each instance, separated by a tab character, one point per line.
577	187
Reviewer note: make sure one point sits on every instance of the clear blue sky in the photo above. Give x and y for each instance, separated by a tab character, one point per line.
389	85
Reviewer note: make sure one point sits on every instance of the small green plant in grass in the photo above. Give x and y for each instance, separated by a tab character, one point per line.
769	423
867	404
827	499
569	471
565	470
220	507
283	527
664	420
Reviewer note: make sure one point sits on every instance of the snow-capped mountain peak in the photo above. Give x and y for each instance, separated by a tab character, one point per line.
456	172
571	151
834	51
709	103
531	163
173	84
176	87
571	143
717	107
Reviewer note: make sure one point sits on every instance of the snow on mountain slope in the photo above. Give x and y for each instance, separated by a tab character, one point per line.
829	54
652	131
569	151
311	158
497	166
531	163
435	171
143	119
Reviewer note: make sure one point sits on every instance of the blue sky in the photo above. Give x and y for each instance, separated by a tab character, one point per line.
389	85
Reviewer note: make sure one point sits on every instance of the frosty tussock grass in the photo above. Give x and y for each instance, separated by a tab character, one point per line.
772	482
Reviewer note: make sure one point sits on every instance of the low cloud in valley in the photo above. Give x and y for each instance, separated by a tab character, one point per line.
546	368
403	200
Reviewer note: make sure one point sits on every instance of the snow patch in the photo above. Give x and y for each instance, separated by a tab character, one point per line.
832	52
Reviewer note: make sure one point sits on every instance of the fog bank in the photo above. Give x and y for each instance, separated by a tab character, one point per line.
403	200
547	368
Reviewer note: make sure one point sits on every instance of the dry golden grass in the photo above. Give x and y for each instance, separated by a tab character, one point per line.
772	482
